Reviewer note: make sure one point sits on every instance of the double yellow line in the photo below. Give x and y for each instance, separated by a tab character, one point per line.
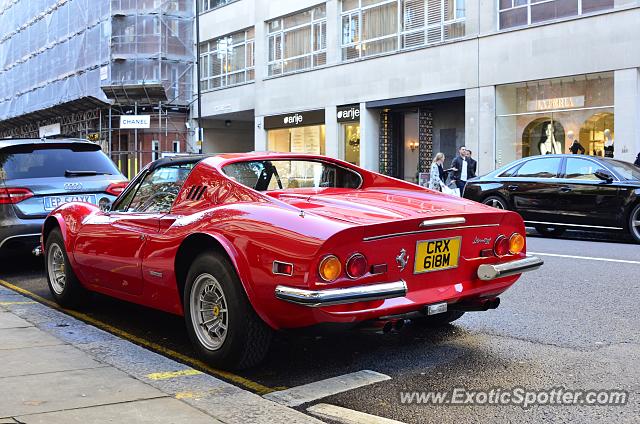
195	363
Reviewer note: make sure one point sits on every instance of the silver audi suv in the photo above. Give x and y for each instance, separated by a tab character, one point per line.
36	176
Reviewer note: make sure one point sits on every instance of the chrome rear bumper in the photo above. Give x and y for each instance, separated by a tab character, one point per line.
315	298
489	272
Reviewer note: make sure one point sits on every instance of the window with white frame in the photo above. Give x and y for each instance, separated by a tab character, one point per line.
227	60
176	146
155	149
371	27
514	13
298	41
213	4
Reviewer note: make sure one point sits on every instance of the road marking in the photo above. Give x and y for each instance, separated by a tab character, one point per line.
589	258
172	374
17	303
180	357
347	416
296	396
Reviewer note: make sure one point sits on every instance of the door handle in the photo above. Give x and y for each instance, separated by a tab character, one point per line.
565	189
512	187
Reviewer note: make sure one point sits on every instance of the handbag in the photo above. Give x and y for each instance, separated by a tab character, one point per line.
451	191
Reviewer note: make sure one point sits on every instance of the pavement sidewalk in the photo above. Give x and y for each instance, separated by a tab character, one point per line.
56	369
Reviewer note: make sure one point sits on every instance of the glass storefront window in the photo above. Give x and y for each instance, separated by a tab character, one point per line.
309	139
351	134
543	117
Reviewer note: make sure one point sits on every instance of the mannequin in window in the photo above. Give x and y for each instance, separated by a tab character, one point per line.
548	144
575	144
608	144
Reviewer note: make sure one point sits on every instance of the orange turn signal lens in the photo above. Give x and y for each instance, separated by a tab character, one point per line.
516	243
330	268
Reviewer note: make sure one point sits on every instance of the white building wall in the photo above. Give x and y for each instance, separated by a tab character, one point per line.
484	59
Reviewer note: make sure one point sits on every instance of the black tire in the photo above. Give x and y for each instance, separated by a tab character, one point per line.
496	202
438	320
68	293
246	337
634	223
550	230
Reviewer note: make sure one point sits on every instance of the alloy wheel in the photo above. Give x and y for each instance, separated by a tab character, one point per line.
209	314
56	268
494	203
635	223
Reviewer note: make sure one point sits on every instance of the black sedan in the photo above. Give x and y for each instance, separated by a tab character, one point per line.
556	192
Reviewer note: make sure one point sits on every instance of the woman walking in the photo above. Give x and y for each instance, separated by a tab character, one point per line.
438	177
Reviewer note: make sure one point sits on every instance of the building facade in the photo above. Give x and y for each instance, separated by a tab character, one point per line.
76	68
388	83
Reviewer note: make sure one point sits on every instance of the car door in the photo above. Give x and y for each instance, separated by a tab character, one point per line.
586	199
533	188
110	245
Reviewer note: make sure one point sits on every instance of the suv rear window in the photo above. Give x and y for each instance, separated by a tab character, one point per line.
29	161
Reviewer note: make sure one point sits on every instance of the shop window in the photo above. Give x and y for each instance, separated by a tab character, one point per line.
228	60
352	142
545	117
308	139
297	42
514	13
371	27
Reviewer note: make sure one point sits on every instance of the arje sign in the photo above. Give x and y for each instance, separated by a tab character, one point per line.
135	121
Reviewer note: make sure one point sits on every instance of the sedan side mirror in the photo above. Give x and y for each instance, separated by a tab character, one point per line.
604	176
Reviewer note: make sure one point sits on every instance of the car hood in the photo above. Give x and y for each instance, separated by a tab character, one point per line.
374	206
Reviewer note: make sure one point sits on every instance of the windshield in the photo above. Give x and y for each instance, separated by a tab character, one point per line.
625	170
46	162
265	175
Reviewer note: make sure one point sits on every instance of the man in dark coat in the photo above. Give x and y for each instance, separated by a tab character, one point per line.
473	165
460	169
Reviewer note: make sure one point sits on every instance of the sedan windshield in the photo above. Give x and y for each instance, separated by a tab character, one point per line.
265	175
625	170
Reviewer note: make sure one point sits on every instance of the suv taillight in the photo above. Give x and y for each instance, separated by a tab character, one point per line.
115	189
13	195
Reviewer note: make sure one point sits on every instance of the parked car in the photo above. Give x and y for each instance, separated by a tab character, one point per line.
556	192
244	244
37	176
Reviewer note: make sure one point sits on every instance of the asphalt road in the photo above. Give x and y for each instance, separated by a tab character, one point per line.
574	323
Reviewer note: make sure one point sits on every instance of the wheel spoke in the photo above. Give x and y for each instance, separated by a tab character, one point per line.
636	222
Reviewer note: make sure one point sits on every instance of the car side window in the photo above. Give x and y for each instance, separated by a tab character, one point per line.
159	189
582	169
540	168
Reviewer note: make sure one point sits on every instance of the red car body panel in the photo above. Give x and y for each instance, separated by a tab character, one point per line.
133	256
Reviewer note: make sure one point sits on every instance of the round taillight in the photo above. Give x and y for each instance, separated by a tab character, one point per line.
516	243
501	246
356	266
330	268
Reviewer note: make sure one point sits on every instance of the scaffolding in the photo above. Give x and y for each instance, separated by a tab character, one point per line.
83	63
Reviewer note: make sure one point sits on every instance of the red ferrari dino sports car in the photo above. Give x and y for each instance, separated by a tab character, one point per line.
244	244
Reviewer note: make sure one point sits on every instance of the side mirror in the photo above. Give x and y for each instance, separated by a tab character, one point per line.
604	176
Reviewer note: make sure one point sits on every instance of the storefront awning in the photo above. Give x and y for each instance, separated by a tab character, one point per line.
415	100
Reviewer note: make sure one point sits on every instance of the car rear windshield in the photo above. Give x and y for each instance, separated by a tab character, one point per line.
265	175
53	161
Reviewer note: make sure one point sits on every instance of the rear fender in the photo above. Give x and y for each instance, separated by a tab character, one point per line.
69	218
241	266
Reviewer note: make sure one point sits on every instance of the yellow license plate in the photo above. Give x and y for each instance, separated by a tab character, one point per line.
436	255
